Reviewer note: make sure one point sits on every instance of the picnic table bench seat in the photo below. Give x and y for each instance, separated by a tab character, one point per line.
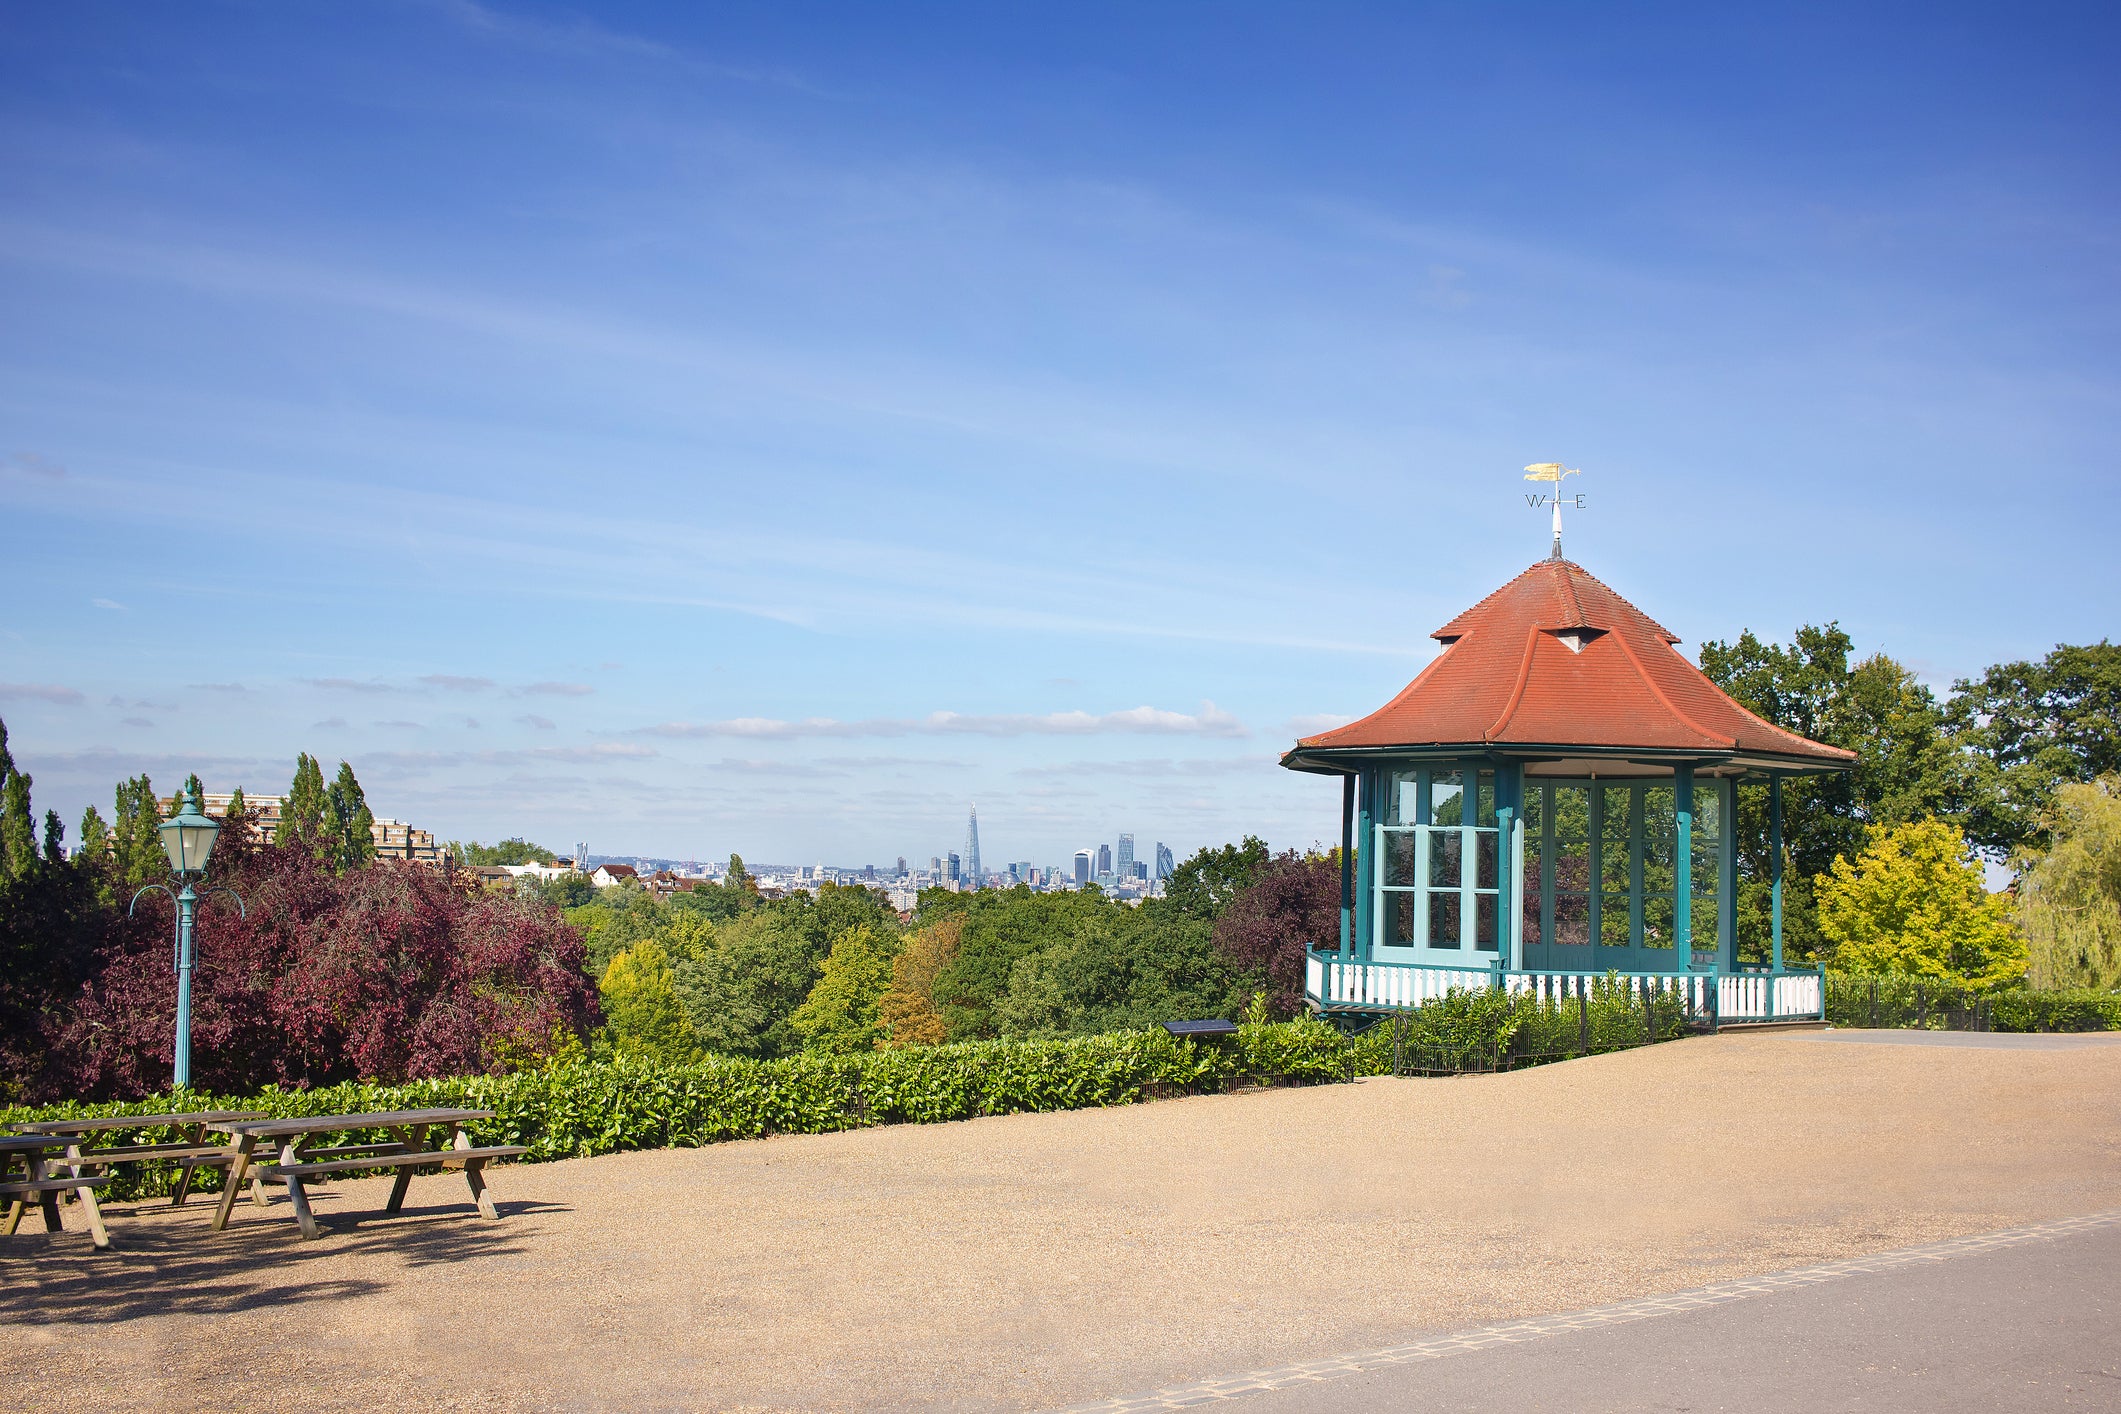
38	1183
409	1153
192	1153
445	1158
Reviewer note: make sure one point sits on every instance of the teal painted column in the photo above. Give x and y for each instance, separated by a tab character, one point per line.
1774	835
1683	868
1727	873
1505	873
1366	864
1347	863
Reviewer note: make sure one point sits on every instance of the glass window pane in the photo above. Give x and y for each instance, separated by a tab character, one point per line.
1657	921
1485	806
1446	798
1613	869
1484	922
1399	798
1613	921
1708	810
1572	811
1572	919
1446	848
1572	864
1528	924
1619	805
1535	809
1659	812
1443	920
1705	871
1399	858
1484	844
1399	920
1704	923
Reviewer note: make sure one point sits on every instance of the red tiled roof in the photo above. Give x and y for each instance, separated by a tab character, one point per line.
1509	675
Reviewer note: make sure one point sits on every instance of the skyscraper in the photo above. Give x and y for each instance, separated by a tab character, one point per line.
951	868
1104	860
1164	863
972	869
1124	866
1082	866
901	867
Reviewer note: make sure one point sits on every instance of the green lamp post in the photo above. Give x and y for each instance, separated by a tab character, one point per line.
187	838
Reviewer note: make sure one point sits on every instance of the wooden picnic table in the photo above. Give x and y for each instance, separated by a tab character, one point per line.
194	1152
409	1150
37	1153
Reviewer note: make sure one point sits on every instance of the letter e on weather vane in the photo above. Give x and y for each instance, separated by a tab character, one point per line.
1552	473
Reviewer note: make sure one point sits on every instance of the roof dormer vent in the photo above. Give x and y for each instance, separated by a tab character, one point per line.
1577	637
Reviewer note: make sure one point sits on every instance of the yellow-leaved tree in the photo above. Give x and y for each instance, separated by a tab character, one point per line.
643	1016
2069	897
840	1012
1912	904
906	1013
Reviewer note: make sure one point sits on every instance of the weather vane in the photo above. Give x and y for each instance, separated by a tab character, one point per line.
1551	472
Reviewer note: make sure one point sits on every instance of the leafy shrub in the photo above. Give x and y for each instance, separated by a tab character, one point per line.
1932	1004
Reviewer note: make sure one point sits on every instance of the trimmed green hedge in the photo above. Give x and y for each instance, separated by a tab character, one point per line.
580	1108
1935	1004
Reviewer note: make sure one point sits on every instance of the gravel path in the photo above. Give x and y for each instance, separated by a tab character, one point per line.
1042	1260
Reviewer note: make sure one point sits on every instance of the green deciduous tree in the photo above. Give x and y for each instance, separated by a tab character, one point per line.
18	832
1907	767
2069	895
513	850
1912	903
2027	729
840	1014
1204	885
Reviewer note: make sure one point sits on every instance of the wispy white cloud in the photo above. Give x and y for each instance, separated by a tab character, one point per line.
135	722
535	722
400	726
1209	721
450	682
368	686
229	687
107	604
40	692
559	689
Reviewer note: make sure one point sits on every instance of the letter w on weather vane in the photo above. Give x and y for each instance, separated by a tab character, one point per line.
1552	473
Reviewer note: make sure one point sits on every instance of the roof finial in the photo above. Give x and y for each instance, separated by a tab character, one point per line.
1551	472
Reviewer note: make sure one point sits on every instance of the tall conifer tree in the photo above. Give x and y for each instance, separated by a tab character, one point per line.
302	817
352	841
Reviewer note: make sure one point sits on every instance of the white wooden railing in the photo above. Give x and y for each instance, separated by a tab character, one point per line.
1727	996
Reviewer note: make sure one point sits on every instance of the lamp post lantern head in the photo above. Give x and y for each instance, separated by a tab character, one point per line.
188	836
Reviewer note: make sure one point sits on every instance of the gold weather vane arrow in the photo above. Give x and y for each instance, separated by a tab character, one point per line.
1551	473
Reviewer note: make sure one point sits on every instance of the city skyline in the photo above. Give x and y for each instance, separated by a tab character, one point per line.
671	457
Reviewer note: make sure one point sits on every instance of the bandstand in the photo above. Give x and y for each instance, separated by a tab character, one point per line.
1552	800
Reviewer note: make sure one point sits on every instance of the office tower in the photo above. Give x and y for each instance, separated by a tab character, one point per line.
1124	865
1104	860
972	869
868	871
951	868
1082	866
1164	863
935	865
901	866
1141	871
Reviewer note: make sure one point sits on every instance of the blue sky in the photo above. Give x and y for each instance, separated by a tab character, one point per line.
775	427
